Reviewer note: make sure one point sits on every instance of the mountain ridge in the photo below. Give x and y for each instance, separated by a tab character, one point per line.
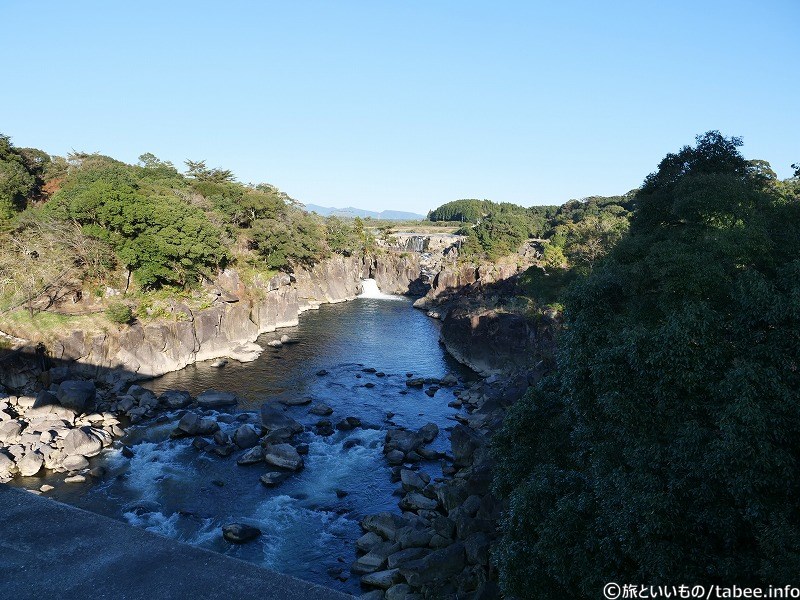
391	215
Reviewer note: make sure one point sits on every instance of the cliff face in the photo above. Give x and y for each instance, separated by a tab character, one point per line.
492	341
396	273
235	320
486	340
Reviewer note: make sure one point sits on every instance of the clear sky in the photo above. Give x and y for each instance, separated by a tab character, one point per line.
405	104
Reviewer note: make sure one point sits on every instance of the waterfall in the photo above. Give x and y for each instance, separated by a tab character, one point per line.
370	290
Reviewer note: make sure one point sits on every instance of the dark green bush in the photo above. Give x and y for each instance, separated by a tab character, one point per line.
119	313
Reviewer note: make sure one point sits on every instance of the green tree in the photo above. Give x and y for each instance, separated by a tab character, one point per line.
17	182
160	239
665	446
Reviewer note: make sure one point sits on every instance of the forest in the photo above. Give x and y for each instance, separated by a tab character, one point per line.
664	446
91	219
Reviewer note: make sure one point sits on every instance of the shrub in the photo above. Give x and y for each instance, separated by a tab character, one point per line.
119	313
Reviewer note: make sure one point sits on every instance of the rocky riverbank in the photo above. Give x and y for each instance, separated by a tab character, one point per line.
437	546
238	314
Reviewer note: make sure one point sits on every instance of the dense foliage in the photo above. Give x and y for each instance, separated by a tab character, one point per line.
154	223
21	177
664	448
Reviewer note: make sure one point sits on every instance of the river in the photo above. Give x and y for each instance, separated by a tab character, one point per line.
310	522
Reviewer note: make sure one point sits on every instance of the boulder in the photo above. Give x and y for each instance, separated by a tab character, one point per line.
465	441
223	450
414	537
245	437
284	456
365	543
175	399
273	418
273	478
193	424
321	410
30	464
239	533
401	439
348	424
10	431
253	456
403	556
75	462
76	394
215	399
385	524
45	398
142	395
439	565
452	493
395	457
81	441
415	501
429	431
7	466
449	380
416	382
382	579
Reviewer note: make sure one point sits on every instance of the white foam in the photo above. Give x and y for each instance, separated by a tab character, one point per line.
156	522
152	463
370	290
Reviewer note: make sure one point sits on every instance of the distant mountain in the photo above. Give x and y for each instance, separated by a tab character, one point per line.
350	212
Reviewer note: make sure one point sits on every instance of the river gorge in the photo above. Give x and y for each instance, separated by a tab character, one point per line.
311	521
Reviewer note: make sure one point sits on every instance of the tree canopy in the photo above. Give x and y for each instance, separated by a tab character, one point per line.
664	447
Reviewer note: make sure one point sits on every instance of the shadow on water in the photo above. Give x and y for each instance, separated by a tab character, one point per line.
310	522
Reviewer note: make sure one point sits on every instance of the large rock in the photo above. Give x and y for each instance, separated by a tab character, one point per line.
273	478
411	480
283	456
239	533
437	566
382	579
320	409
30	464
175	399
75	462
415	501
429	431
45	398
245	437
76	394
402	440
10	431
385	524
215	399
465	441
251	457
273	418
194	424
81	441
365	543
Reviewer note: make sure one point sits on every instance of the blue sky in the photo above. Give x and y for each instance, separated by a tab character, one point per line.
405	105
